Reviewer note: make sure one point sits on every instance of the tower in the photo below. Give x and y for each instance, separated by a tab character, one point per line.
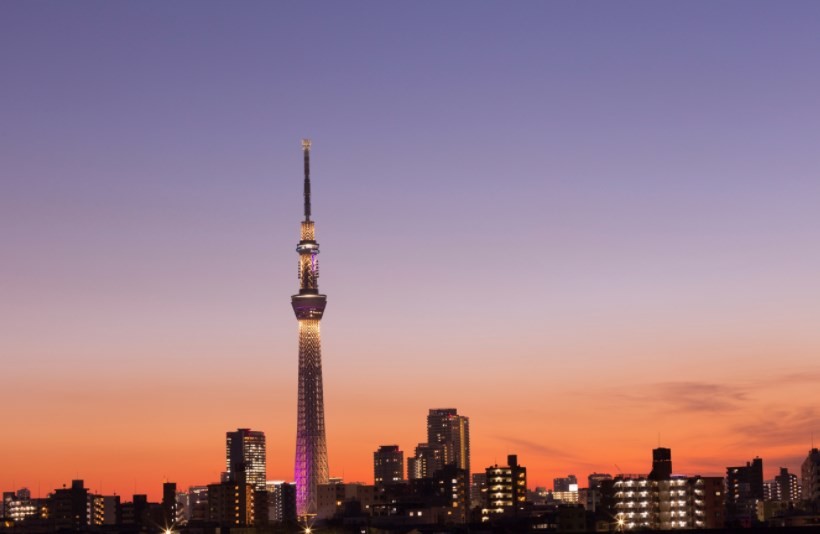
309	305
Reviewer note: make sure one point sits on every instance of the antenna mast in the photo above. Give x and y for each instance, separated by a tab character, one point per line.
306	150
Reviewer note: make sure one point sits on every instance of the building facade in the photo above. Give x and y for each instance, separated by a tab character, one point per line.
231	504
281	502
744	490
452	431
506	489
428	459
245	457
388	465
810	476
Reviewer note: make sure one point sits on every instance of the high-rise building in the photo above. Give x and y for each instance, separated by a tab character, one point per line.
245	457
388	465
451	430
786	486
810	475
309	306
744	489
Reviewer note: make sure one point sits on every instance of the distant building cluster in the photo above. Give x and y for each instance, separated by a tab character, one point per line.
434	491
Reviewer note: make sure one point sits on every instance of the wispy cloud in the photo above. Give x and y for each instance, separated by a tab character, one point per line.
689	396
779	427
536	448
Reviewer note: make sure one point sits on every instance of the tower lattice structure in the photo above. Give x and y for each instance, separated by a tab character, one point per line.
309	306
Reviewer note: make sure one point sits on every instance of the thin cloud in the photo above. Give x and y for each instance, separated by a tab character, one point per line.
536	448
696	397
779	427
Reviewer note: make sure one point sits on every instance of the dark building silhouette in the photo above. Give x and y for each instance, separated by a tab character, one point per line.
68	507
594	481
439	499
744	489
282	503
388	465
137	512
197	503
478	490
787	487
336	498
169	504
810	475
231	504
661	464
428	459
112	510
564	484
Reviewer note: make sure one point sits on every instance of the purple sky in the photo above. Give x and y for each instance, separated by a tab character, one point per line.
585	193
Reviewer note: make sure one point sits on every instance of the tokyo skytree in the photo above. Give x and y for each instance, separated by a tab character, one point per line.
311	446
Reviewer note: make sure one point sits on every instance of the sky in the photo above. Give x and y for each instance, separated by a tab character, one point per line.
590	227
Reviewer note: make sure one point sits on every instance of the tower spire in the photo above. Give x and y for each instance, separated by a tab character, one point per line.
306	150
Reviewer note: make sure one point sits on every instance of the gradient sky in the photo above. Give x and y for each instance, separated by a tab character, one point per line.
587	226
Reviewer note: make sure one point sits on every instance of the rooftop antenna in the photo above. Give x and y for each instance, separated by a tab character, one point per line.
306	150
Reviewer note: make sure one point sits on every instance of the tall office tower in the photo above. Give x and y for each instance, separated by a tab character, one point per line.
309	306
446	427
245	457
810	474
661	464
388	465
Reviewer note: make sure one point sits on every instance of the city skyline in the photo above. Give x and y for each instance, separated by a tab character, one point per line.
610	212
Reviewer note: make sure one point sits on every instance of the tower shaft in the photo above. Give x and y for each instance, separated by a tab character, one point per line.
311	446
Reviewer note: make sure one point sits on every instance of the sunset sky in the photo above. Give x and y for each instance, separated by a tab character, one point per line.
590	227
